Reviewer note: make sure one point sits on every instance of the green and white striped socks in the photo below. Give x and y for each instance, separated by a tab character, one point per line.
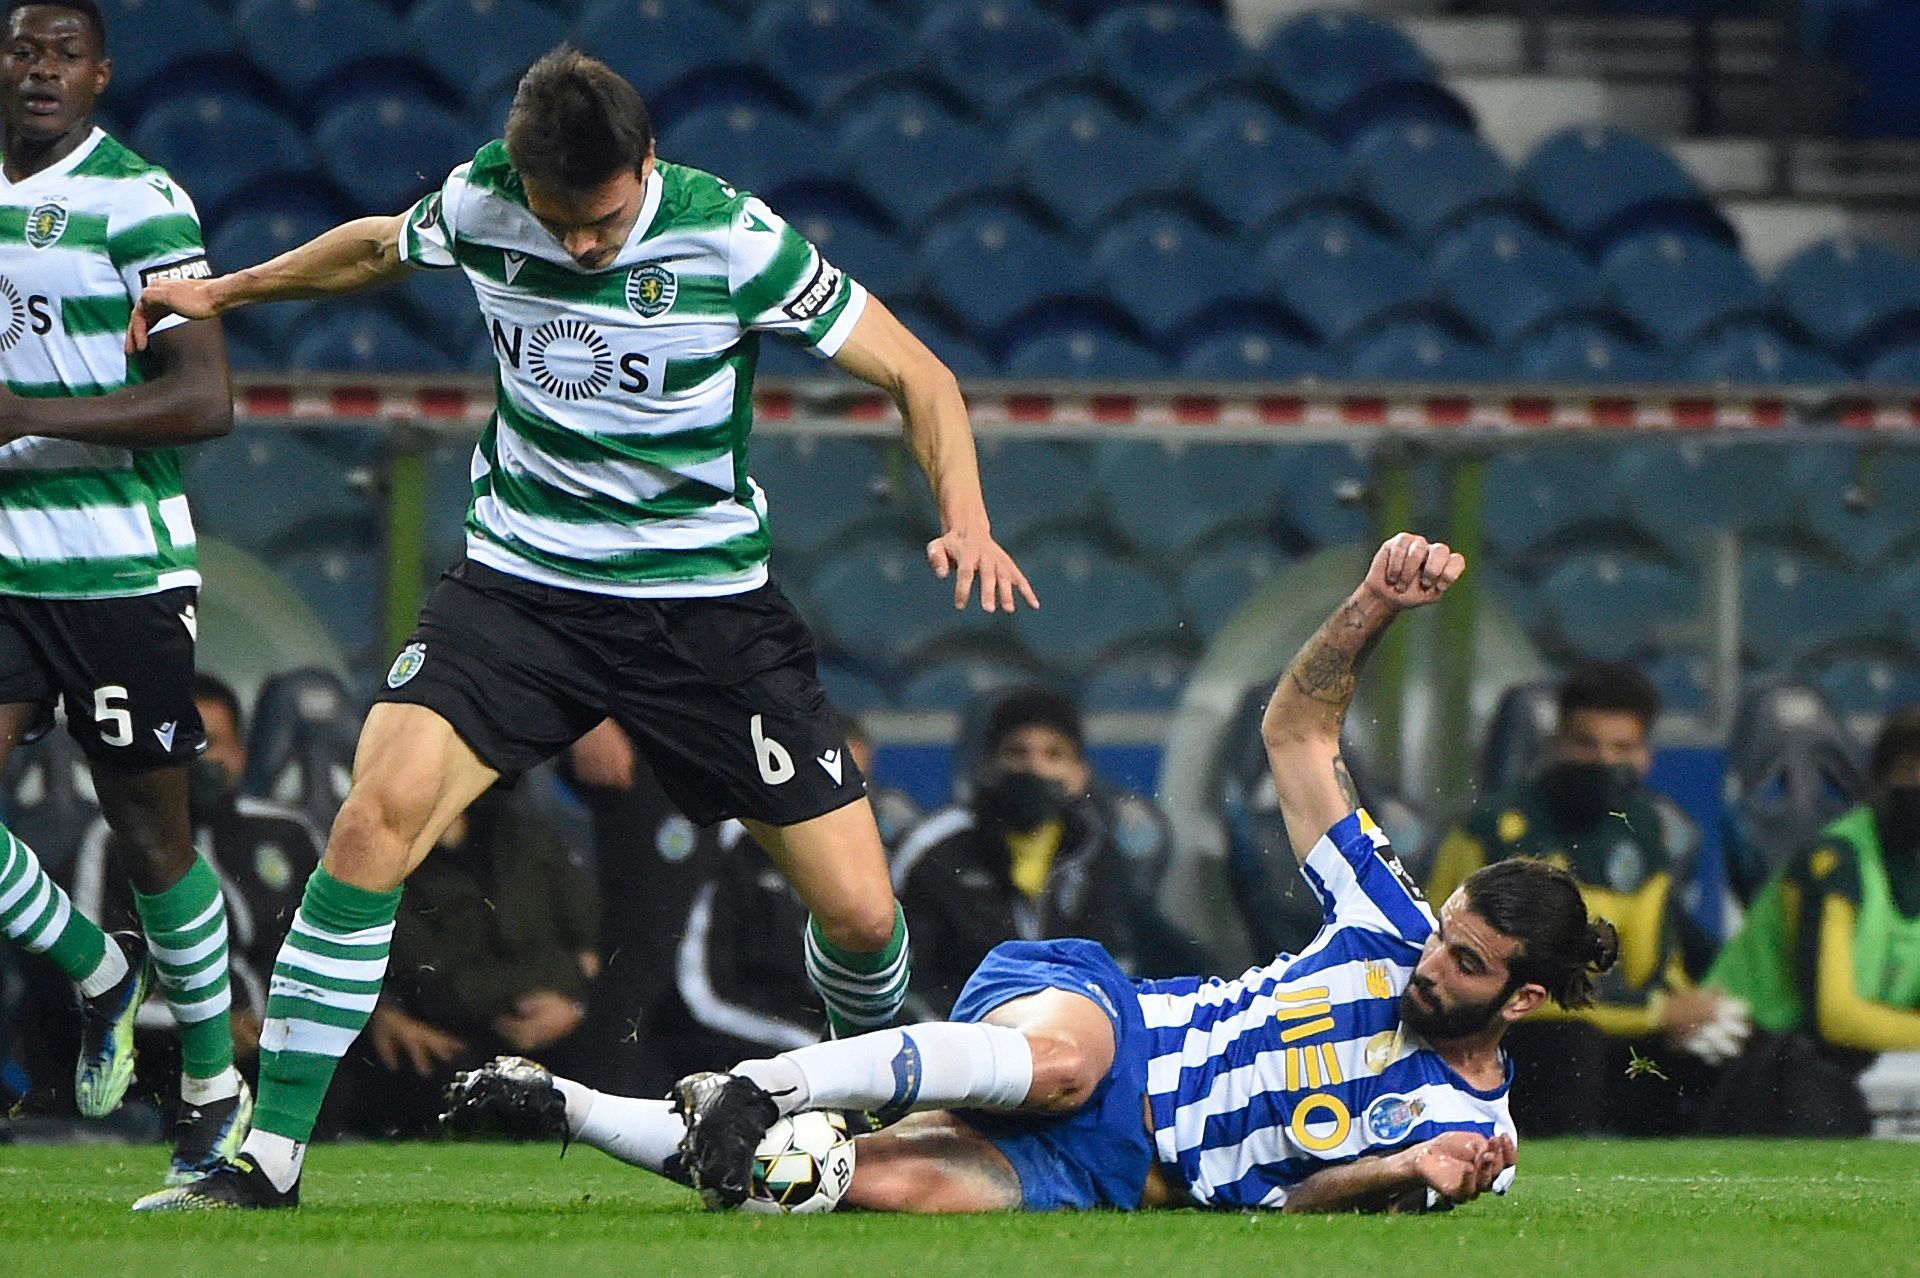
862	991
186	928
325	984
37	914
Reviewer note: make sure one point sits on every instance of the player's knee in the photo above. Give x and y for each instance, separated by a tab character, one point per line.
867	929
1065	1073
372	836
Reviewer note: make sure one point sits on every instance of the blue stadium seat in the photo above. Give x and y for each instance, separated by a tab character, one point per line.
1162	54
1421	350
1078	620
1578	350
1685	681
250	237
862	249
1326	487
1216	583
386	151
1031	485
1610	605
656	44
951	686
1897	365
1251	164
1792	605
151	40
302	44
1084	346
1676	287
822	50
757	151
992	52
1425	177
342	585
913	156
479	46
1165	497
880	603
1866	686
1538	497
1867	511
1163	268
1085	164
966	357
249	355
1879	40
821	487
291	489
986	261
1338	276
1351	71
1137	683
363	339
1677	490
1750	352
1846	291
851	691
1253	349
441	306
1507	277
1600	183
219	144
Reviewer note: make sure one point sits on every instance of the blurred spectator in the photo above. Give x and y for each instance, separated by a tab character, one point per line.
1829	959
1040	849
1589	810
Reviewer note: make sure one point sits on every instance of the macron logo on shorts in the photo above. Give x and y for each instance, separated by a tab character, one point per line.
165	732
191	621
830	764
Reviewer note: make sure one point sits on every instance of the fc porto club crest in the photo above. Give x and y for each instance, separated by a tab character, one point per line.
1390	1118
407	664
46	223
651	289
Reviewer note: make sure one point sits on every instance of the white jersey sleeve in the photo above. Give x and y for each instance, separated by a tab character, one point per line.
154	234
782	284
426	240
1360	882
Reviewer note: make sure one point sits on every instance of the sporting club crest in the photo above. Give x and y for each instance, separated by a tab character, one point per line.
651	289
407	664
46	223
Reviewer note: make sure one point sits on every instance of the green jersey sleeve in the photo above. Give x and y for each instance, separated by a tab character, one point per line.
781	283
427	239
153	235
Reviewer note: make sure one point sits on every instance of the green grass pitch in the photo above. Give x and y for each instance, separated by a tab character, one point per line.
1588	1208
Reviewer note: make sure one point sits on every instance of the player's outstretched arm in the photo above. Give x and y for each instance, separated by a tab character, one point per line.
1302	724
359	254
881	350
1459	1166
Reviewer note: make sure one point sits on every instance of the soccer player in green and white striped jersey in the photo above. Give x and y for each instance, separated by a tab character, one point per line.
616	561
98	583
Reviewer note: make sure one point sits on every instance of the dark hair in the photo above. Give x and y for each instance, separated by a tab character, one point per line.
1899	739
85	8
1539	905
575	123
1028	707
1610	685
207	688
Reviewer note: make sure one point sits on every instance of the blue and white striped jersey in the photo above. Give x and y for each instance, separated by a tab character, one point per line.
1258	1082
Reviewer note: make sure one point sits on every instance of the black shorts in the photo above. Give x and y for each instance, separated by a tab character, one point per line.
122	667
719	694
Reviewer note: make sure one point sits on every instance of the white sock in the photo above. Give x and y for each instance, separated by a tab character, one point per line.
644	1133
204	1091
941	1065
112	970
278	1157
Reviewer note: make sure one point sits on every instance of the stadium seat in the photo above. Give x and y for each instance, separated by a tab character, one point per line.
986	261
953	685
1078	621
151	41
1609	605
1541	496
252	236
1860	504
1676	287
1791	768
1338	276
1866	687
440	307
1083	346
657	44
1578	350
300	746
1792	605
912	156
1677	490
1685	682
858	247
479	46
1600	184
1252	349
1350	71
1518	734
341	583
1217	582
822	50
851	690
362	338
1084	164
1754	352
1421	350
303	44
1425	177
1847	291
218	144
1162	54
293	490
1897	366
1326	491
249	355
1163	268
1252	165
1137	683
754	150
386	151
1165	496
991	52
1031	485
966	357
819	487
879	602
1507	277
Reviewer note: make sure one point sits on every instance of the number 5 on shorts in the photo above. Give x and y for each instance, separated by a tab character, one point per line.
114	721
776	765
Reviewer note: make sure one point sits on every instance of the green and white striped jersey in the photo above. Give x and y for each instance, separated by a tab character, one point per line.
616	460
78	241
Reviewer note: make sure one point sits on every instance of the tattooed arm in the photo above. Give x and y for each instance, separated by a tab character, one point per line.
1302	724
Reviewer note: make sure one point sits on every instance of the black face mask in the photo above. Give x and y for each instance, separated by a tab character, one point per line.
1898	816
1580	794
1020	801
211	790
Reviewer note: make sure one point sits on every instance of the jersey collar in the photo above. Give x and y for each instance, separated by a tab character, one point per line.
59	168
649	210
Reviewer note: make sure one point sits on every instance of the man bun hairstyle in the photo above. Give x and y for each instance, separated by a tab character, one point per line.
1539	905
1611	685
575	123
85	8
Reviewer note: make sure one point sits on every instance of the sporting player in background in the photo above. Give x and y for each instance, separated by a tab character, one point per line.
98	576
1363	1073
616	557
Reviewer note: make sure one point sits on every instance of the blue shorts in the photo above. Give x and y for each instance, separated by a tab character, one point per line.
1099	1155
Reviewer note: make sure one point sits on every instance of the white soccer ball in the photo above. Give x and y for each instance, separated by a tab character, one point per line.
803	1165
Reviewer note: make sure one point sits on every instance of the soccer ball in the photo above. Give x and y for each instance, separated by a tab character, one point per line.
803	1165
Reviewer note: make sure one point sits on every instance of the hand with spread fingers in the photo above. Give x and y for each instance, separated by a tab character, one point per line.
965	556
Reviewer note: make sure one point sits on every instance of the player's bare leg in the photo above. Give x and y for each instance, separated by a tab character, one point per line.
930	1163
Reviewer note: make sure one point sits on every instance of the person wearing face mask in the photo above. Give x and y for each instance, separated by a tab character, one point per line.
1589	810
1829	958
1038	851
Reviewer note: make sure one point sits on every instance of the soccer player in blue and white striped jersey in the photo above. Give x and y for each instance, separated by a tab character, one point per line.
1364	1072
